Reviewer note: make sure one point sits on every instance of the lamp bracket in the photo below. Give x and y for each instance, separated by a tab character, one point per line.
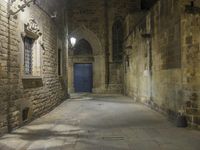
16	6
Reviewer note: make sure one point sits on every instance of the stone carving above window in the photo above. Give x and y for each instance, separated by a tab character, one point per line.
32	26
32	29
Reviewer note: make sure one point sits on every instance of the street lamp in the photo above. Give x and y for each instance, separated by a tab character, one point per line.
73	41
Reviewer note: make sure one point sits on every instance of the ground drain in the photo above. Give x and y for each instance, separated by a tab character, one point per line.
113	138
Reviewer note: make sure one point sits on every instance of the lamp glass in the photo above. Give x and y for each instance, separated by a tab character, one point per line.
73	41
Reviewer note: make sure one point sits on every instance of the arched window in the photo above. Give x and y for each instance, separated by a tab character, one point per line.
83	47
117	41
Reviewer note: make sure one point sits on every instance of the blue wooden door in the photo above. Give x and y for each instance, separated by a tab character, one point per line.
83	77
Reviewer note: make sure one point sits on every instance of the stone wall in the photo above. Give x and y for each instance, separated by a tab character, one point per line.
7	78
190	39
166	55
161	62
94	18
39	94
135	61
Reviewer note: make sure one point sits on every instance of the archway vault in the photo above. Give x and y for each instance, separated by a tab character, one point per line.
84	33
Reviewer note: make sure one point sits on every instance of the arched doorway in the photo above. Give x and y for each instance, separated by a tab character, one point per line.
83	68
96	58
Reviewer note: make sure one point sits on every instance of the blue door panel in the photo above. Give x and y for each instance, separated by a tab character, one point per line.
83	77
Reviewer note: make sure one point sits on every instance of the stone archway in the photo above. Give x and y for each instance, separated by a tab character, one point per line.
97	59
84	33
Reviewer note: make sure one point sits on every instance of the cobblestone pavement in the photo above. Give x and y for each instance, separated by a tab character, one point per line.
101	122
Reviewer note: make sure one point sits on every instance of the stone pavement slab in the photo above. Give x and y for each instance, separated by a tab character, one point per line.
101	122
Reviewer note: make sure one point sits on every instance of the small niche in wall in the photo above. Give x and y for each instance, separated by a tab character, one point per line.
25	113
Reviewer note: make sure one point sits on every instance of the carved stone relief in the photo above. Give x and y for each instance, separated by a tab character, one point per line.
32	29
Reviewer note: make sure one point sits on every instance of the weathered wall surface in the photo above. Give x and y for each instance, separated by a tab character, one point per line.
135	64
17	93
190	45
161	62
166	55
117	10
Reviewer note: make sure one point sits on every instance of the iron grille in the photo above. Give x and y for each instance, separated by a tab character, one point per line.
28	55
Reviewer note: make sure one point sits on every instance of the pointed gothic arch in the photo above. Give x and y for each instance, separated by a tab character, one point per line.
84	33
83	47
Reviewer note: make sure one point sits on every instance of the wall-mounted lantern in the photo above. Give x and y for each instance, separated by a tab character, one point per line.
73	41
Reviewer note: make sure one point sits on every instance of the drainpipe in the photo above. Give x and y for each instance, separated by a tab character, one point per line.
67	51
9	70
107	67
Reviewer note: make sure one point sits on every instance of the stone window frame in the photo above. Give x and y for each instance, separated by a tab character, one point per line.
31	30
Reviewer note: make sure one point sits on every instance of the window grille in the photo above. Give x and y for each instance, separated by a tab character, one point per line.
28	55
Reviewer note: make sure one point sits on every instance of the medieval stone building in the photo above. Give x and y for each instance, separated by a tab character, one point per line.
148	50
30	82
